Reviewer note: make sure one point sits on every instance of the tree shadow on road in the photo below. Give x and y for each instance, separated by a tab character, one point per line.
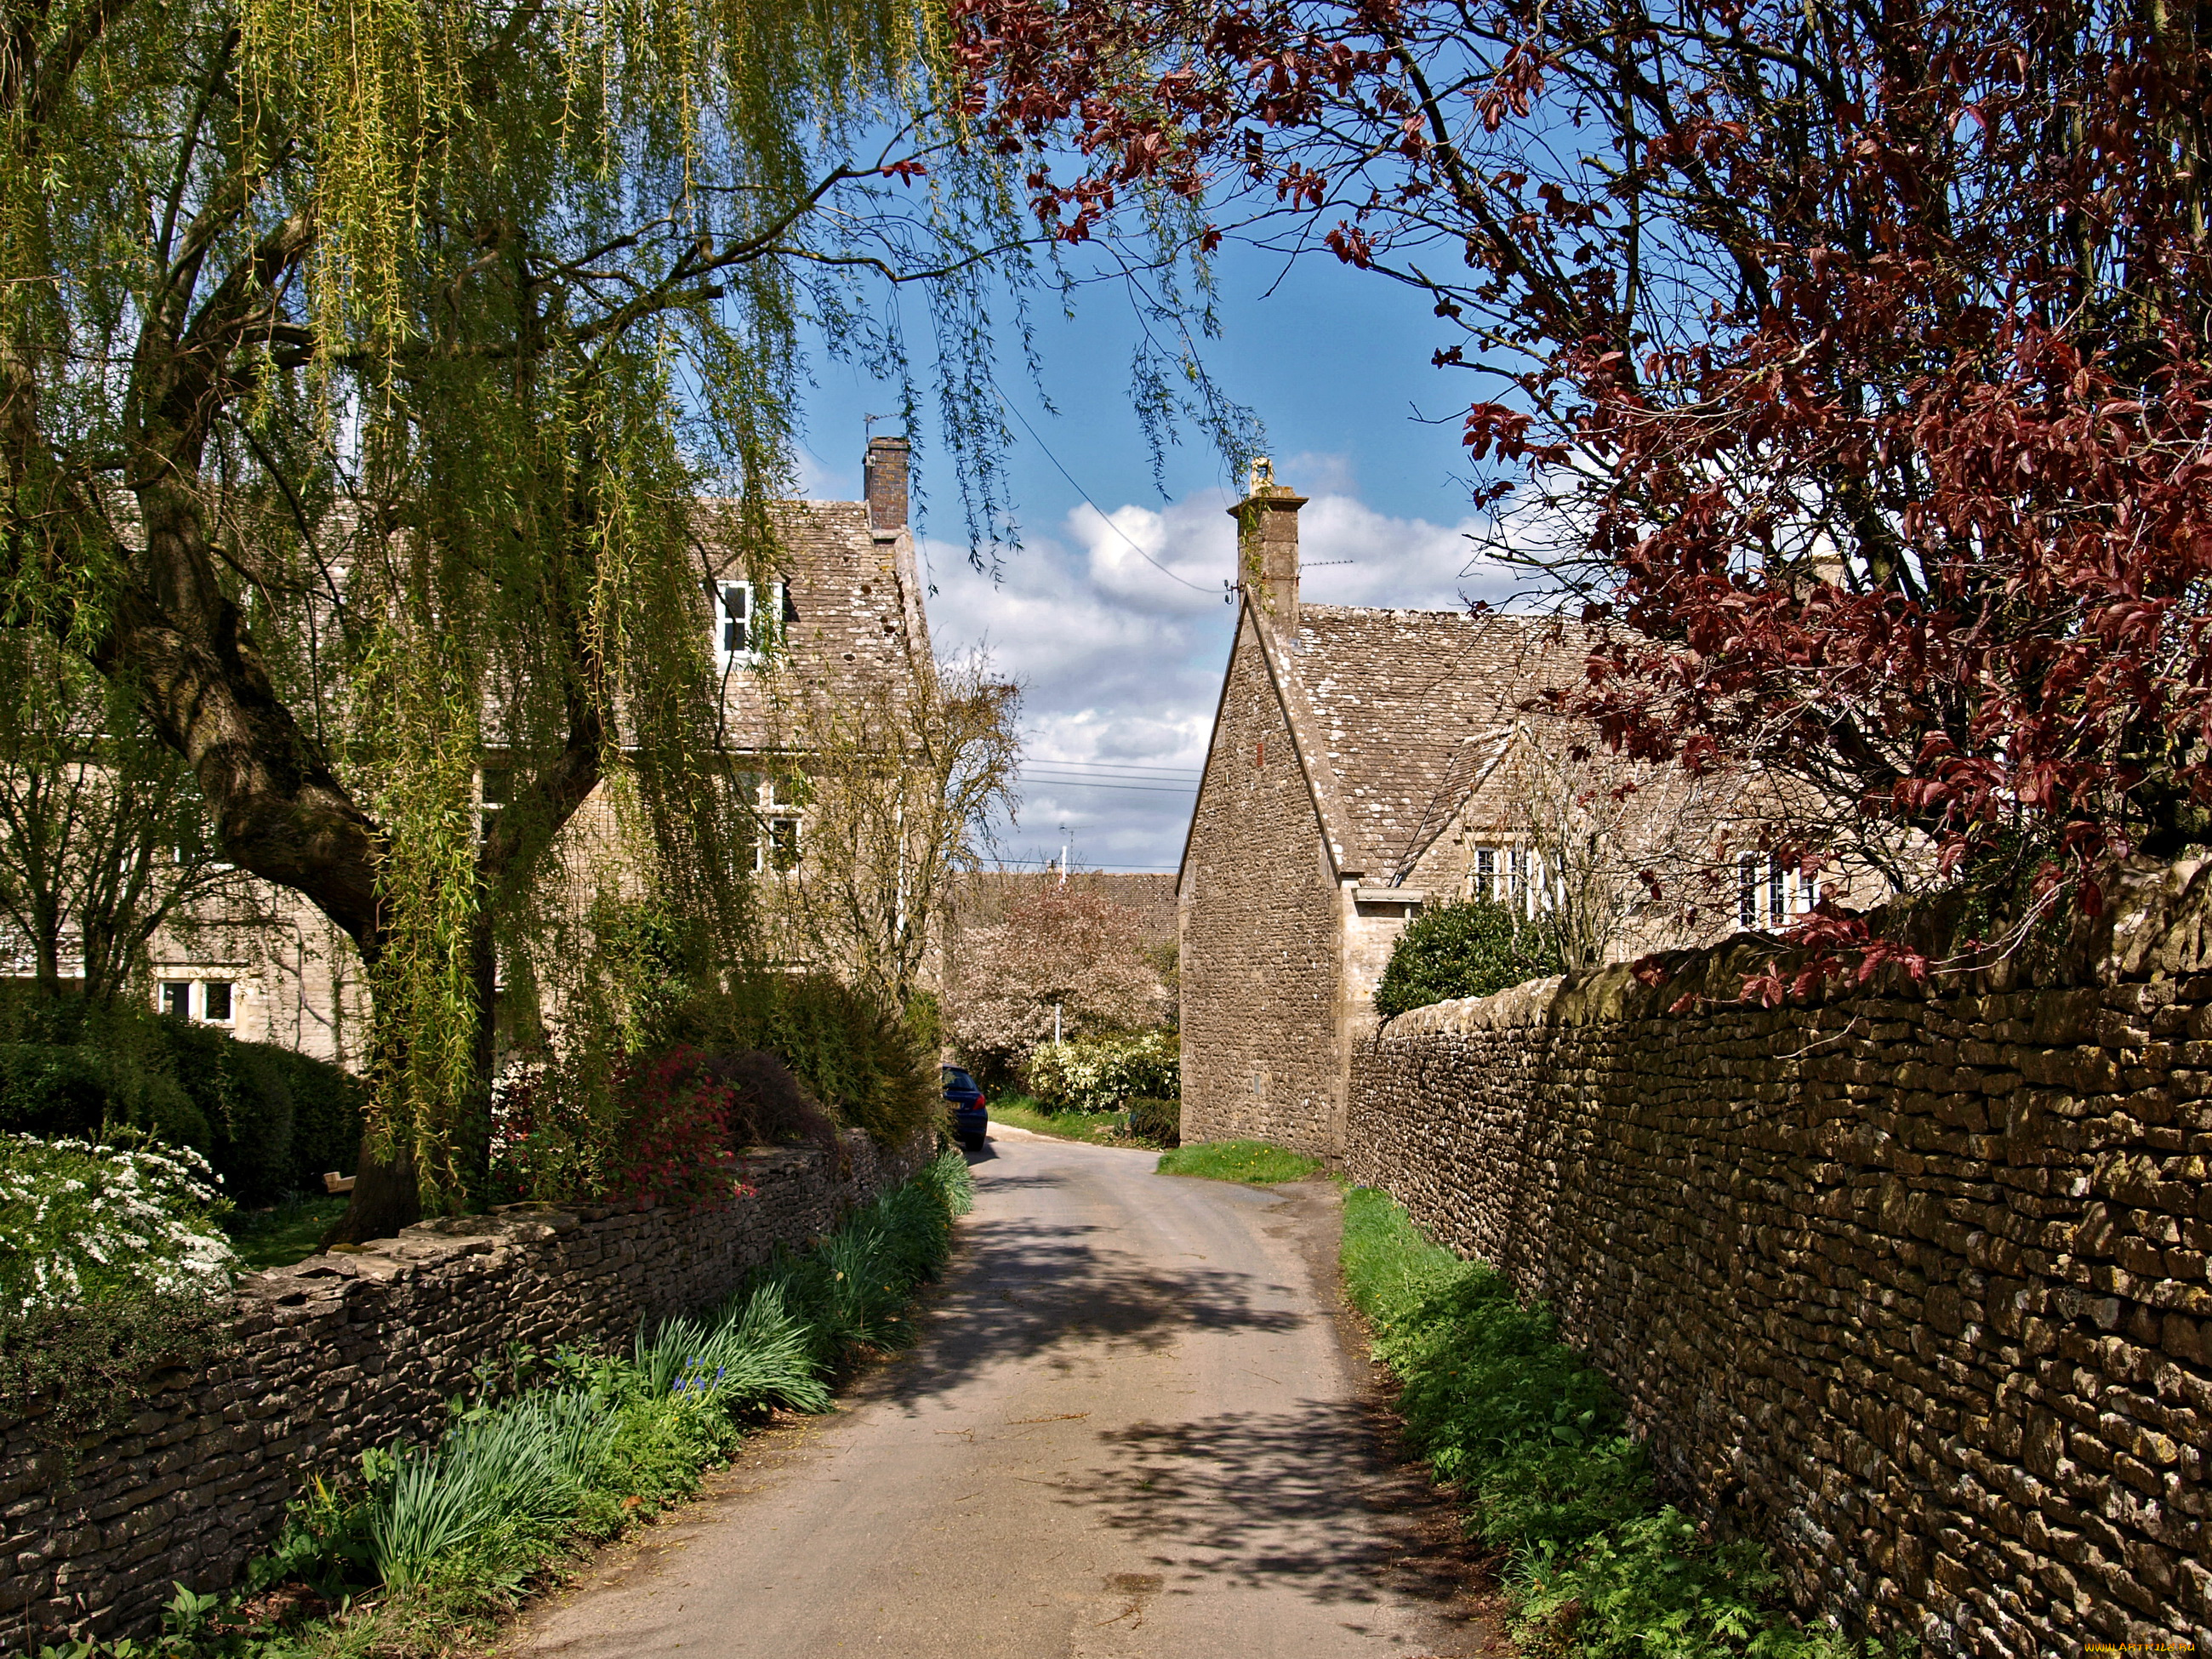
1265	1499
1025	1286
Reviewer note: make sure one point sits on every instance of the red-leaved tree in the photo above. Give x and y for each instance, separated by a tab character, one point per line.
1855	356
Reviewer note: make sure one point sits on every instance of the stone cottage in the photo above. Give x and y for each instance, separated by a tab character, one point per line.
844	610
1364	762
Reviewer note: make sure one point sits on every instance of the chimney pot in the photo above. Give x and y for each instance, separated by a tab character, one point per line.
883	476
1267	548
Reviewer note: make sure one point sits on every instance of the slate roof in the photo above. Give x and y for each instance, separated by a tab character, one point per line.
1401	713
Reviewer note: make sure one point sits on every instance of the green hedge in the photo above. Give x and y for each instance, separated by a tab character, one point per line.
858	1057
269	1120
1468	950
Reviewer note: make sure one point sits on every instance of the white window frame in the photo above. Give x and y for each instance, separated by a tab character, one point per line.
769	853
195	1000
754	635
490	806
1769	895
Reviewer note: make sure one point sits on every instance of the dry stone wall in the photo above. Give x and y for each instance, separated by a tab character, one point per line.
347	1351
1912	1283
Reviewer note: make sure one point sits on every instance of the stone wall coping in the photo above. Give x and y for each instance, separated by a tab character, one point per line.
2155	923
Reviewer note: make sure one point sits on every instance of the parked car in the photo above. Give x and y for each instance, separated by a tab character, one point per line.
965	1096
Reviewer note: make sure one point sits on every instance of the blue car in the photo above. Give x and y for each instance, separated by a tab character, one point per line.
965	1096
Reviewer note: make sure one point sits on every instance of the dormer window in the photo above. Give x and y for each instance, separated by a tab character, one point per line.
745	618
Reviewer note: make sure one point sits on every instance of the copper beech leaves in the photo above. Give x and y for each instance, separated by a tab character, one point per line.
1853	364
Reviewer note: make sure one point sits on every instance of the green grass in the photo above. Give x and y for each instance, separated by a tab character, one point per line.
1254	1161
1536	1443
431	1544
288	1232
1023	1112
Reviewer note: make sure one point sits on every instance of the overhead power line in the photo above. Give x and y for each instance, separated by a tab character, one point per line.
1194	586
1093	783
1118	766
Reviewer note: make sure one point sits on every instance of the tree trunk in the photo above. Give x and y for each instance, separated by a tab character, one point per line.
475	1123
386	1197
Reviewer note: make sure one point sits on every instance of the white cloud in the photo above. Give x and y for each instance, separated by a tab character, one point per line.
1117	632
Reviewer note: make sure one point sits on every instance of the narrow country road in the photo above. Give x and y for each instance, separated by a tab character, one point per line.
1132	1427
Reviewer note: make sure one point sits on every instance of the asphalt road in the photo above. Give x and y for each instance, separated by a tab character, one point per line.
1135	1426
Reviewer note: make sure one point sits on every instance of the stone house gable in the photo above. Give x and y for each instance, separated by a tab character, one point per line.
1257	912
1346	746
1411	711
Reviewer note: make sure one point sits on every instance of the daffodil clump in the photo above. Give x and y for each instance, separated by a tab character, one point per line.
82	1223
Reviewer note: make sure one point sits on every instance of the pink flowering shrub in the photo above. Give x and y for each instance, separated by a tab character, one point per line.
656	1129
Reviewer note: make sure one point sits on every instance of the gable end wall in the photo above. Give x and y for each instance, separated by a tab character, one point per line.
1263	1042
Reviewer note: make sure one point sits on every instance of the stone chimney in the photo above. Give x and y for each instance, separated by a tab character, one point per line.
883	481
1267	547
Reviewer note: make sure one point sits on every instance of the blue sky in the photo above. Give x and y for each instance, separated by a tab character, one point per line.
1120	663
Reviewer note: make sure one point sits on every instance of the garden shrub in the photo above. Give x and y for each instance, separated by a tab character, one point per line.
112	1263
770	1106
1097	1074
584	1130
80	1223
1159	1122
1469	950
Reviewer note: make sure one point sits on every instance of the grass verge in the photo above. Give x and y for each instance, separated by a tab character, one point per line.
284	1234
1254	1161
1536	1445
1094	1128
427	1549
1021	1112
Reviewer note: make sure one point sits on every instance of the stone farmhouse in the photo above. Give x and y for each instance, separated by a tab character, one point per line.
1364	763
843	611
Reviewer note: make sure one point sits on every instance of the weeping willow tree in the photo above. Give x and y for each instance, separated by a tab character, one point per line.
359	363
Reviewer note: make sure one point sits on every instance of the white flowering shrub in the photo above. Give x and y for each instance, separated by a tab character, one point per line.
81	1224
1098	1074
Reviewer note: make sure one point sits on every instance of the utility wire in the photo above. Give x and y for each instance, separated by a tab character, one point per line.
1118	766
1094	505
1140	789
1054	864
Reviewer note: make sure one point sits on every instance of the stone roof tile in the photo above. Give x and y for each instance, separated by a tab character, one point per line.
1406	709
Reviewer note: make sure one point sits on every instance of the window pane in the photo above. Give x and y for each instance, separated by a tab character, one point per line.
177	998
1747	900
783	842
1777	897
737	610
216	999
